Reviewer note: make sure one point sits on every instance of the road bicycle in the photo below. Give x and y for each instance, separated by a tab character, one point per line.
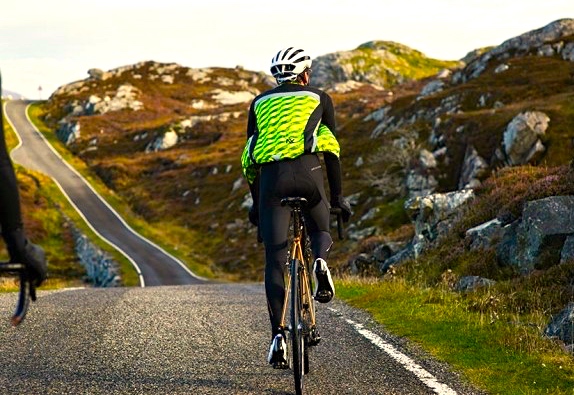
301	332
26	293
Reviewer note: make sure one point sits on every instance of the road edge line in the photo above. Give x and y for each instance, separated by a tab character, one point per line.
407	362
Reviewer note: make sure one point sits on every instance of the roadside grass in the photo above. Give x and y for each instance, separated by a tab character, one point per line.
494	334
179	244
502	353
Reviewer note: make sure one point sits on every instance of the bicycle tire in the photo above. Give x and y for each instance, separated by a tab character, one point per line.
308	328
297	340
306	315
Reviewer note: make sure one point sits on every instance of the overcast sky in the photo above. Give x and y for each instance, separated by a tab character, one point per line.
49	43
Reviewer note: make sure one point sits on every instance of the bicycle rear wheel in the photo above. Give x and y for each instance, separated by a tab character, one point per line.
297	340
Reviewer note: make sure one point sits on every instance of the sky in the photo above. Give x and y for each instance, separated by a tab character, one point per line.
46	44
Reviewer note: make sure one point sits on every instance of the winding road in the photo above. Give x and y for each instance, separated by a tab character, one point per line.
185	335
154	265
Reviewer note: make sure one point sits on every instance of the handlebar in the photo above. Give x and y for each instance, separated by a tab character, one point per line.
26	293
339	213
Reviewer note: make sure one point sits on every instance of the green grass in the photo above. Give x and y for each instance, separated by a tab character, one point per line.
473	343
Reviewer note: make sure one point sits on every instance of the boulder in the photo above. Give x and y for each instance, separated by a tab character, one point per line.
536	240
521	139
562	326
167	140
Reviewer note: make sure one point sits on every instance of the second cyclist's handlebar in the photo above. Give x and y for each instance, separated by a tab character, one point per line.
26	293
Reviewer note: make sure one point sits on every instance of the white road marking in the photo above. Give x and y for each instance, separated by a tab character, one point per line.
424	376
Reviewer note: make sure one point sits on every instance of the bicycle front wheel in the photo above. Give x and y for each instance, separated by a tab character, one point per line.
298	343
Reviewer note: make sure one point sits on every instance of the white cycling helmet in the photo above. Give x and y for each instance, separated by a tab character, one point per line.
289	63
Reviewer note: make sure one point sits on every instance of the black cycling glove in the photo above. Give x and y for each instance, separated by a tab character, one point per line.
21	250
342	203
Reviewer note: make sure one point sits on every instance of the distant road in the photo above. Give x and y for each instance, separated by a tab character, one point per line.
156	267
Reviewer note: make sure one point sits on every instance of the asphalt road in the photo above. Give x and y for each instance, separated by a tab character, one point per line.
197	339
155	265
200	338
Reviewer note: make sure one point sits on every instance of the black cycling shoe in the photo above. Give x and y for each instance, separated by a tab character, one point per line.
325	289
314	337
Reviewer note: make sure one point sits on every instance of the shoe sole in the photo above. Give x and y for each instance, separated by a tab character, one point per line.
325	290
280	365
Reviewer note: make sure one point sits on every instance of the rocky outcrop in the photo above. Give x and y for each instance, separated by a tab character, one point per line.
101	269
474	169
536	41
380	63
125	98
163	142
522	137
432	215
68	131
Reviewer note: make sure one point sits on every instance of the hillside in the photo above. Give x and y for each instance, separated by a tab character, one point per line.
167	138
381	63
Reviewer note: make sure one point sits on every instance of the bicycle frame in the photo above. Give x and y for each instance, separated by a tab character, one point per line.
296	254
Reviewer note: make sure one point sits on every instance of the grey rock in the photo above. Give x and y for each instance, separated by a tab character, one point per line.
470	283
567	253
521	139
537	239
568	52
484	235
562	325
474	168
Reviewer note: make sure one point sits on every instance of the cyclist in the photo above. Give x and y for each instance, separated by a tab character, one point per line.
20	249
288	126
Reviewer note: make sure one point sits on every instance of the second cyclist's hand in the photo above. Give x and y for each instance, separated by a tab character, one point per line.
344	205
23	251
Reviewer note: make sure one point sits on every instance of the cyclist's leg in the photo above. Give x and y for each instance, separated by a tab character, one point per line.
318	216
274	226
318	213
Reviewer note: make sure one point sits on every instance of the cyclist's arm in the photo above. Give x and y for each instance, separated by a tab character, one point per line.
330	147
328	116
10	214
249	168
333	167
251	120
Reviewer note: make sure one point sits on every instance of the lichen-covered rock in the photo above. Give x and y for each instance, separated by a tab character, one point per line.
521	139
